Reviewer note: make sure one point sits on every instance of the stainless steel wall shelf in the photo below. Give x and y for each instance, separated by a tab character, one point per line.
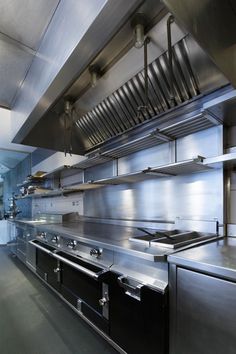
182	167
169	170
32	181
82	186
52	193
129	178
173	169
228	159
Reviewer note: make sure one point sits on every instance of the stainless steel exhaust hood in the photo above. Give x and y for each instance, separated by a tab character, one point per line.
106	116
212	24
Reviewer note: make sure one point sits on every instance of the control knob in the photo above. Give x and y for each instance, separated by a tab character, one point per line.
43	235
96	252
55	239
72	244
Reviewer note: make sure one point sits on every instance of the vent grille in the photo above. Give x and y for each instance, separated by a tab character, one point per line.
92	161
133	146
117	113
188	126
201	120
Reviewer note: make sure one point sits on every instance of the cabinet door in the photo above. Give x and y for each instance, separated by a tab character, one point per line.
11	230
138	326
205	315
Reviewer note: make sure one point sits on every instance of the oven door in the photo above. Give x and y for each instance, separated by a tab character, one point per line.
47	267
85	286
138	316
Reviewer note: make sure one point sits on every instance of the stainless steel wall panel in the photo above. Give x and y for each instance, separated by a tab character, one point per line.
99	172
198	195
155	156
231	195
60	204
206	143
92	161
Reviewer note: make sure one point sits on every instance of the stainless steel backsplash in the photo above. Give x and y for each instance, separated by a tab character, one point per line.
198	195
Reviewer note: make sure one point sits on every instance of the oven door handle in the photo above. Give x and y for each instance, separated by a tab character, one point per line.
80	268
40	247
131	290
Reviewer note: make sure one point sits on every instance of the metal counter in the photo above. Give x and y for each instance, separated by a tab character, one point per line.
113	237
202	283
215	258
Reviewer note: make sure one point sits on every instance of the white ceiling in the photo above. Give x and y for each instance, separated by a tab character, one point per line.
22	26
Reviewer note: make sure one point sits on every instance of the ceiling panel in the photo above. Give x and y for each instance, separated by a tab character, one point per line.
9	159
26	20
22	26
14	64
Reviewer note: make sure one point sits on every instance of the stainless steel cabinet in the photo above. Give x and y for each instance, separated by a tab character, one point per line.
21	242
11	230
203	313
30	250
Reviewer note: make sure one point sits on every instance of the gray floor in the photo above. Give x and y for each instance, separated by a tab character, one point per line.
33	320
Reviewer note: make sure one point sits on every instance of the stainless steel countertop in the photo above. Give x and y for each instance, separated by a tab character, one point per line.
116	238
30	222
34	223
102	234
110	236
215	258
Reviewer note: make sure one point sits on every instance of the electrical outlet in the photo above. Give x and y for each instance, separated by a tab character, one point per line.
73	203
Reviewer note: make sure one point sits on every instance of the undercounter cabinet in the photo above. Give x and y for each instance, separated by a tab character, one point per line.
203	299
